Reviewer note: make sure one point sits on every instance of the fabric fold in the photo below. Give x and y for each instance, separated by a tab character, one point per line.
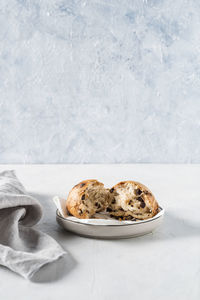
23	249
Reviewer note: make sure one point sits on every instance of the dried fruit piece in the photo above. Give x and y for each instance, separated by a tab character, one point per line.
82	184
140	199
109	209
138	192
142	204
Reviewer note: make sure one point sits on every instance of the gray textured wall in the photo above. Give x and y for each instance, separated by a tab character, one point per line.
99	81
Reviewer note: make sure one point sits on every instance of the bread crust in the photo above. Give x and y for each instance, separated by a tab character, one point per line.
74	200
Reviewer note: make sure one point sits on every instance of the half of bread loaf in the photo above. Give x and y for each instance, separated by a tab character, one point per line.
130	199
87	198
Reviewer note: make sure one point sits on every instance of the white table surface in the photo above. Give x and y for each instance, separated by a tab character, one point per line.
162	265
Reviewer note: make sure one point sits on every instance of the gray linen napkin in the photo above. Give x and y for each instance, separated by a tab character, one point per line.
23	249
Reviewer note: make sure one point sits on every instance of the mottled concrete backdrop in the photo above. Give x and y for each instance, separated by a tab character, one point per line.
99	81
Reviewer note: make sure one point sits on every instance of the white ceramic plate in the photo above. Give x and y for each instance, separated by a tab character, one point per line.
117	231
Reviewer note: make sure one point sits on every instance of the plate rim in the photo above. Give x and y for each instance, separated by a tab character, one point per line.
161	214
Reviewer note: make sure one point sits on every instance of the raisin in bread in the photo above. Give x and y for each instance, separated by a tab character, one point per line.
87	198
130	199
